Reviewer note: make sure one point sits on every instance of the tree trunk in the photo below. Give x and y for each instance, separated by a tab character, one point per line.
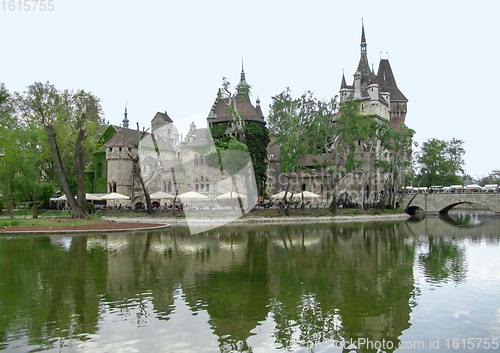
284	197
80	171
78	212
9	197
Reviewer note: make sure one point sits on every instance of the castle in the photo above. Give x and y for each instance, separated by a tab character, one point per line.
111	170
380	98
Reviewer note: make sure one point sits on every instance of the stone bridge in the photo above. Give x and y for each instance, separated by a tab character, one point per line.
433	203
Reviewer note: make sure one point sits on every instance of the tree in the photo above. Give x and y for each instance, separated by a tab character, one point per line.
300	126
9	165
492	178
67	117
398	144
439	162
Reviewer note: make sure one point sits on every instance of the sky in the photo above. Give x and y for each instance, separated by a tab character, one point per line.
172	55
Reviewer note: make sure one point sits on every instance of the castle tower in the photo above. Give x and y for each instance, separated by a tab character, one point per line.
366	87
398	101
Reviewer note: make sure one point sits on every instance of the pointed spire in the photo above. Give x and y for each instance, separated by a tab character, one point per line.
363	38
258	100
125	120
243	85
343	84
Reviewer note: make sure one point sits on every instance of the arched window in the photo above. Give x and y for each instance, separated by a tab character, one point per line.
208	187
197	187
188	187
201	178
216	187
201	160
114	187
196	160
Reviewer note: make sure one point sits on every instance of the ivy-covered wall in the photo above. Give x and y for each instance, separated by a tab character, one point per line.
257	139
100	180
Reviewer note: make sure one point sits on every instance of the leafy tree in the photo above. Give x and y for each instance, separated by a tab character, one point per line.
9	165
398	144
492	178
67	117
300	127
440	162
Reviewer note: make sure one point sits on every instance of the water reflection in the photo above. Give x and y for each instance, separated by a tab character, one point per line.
236	288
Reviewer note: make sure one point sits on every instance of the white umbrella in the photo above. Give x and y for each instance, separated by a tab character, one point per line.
280	195
161	195
114	196
92	197
227	196
193	196
307	195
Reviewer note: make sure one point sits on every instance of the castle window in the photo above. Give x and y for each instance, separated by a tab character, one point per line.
359	142
114	187
201	178
201	160
202	187
111	149
197	187
208	187
188	187
169	187
216	187
120	149
196	160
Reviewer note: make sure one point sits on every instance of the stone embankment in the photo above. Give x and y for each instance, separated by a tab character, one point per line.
265	220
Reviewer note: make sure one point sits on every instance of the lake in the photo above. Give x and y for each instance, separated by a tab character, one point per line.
426	285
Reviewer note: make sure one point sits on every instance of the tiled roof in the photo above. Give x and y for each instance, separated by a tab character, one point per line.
243	104
124	137
385	77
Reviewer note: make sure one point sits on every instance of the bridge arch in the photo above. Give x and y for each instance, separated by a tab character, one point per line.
454	204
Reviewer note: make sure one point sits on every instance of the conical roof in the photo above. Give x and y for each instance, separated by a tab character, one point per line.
385	78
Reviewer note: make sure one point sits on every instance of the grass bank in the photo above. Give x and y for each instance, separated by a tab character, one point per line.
51	218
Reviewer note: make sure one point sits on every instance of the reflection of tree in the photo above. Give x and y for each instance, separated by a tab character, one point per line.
356	282
50	293
444	260
237	298
317	282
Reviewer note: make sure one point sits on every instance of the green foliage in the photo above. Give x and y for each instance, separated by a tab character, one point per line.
257	139
492	178
90	208
218	130
439	162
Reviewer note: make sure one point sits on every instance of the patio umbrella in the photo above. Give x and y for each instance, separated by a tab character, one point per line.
114	196
161	195
227	196
192	196
280	195
307	195
92	197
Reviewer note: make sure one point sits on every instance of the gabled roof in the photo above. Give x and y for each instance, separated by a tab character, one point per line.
385	79
163	116
199	137
124	137
243	105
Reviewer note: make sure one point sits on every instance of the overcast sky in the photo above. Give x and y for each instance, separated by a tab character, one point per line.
171	56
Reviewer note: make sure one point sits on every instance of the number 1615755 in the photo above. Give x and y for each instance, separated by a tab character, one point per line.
27	5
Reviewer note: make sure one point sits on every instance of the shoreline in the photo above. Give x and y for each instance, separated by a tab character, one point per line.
265	220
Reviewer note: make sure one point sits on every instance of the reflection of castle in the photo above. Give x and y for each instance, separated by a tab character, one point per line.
344	282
